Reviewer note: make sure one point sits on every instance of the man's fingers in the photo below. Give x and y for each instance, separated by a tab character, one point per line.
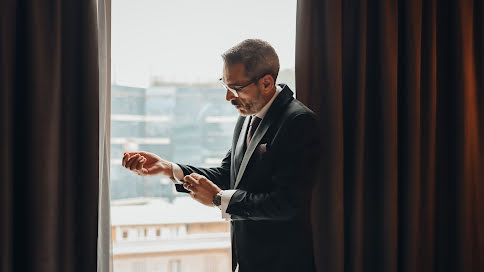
189	187
191	184
131	161
126	163
202	180
125	159
136	162
141	161
191	180
196	176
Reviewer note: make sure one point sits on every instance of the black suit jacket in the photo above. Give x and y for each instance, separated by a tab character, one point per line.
270	224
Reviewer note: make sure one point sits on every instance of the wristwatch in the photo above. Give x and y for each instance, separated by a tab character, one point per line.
217	199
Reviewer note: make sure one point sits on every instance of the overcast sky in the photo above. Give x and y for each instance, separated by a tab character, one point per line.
181	40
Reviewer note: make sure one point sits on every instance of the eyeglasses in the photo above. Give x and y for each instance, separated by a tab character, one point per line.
235	90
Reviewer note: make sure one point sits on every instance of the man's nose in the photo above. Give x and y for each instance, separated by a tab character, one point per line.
229	95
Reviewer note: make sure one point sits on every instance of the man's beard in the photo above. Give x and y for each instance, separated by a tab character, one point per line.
252	107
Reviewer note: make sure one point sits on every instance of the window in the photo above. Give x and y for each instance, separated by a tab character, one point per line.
210	263
139	267
166	99
174	266
140	233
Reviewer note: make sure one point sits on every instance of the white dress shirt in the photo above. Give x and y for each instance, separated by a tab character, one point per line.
226	194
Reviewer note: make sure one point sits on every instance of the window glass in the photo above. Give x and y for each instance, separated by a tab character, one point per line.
166	99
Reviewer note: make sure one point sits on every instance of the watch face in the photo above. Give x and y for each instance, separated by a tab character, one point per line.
217	200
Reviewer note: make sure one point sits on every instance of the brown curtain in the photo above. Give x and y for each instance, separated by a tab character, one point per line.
49	117
399	89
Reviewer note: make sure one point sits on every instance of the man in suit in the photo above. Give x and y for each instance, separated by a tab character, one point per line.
264	183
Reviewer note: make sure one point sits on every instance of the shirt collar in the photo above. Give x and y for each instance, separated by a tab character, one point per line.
266	107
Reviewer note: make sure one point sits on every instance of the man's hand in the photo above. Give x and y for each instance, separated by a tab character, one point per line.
202	189
147	164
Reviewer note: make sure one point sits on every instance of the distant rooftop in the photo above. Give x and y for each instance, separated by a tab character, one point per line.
156	211
195	242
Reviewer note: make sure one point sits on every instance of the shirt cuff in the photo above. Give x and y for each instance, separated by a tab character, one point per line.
226	196
178	174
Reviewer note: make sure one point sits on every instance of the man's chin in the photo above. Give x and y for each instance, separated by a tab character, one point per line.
244	114
242	111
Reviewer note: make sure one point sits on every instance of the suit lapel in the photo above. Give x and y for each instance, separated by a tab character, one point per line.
281	100
239	149
258	134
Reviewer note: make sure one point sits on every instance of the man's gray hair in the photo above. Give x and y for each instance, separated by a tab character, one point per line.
258	56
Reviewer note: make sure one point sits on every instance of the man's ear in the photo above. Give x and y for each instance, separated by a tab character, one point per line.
267	82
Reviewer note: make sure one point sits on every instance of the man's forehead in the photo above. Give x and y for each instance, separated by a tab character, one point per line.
234	73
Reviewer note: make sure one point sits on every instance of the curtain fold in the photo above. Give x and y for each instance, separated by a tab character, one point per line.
104	250
399	89
49	145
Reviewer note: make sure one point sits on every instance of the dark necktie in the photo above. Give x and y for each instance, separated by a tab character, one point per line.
254	123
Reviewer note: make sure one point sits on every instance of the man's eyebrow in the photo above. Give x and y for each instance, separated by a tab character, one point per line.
234	84
231	84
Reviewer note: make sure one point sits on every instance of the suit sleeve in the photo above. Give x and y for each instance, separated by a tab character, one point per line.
218	175
297	157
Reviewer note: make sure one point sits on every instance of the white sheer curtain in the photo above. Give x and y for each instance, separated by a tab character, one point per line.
104	227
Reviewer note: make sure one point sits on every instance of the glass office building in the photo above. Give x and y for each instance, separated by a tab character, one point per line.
190	125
